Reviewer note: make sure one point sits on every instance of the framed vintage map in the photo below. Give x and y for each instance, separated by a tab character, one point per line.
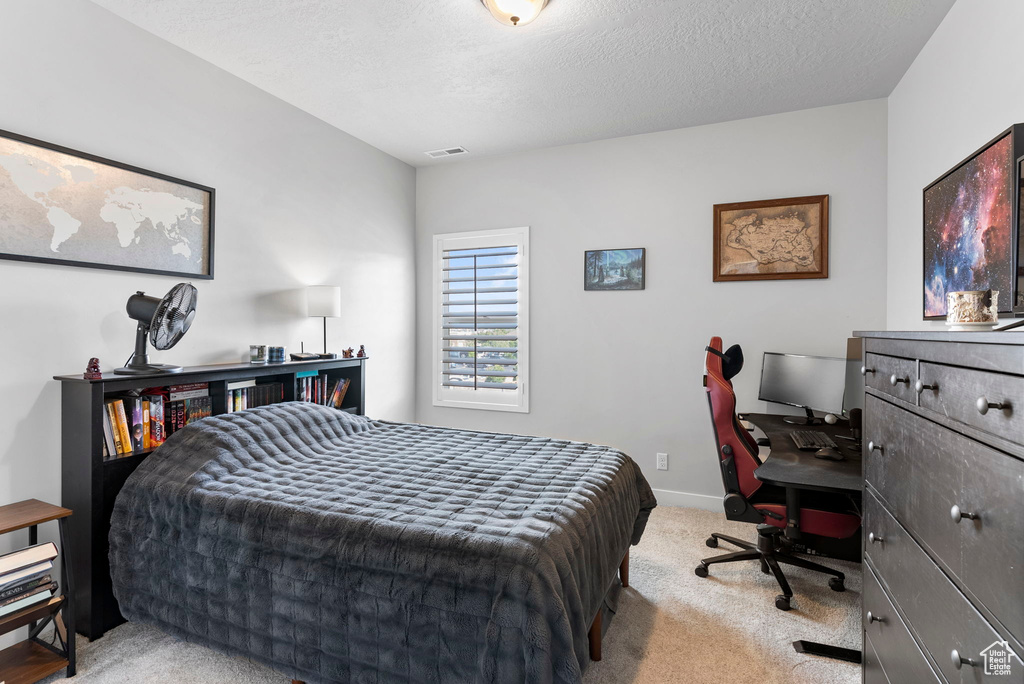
61	206
778	239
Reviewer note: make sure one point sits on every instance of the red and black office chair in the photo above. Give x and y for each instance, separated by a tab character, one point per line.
823	519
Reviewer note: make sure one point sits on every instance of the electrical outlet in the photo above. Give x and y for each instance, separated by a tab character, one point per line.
662	461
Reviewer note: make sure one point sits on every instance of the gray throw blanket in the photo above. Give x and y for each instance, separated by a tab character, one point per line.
339	549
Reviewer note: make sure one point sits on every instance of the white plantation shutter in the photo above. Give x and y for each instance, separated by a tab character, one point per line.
480	322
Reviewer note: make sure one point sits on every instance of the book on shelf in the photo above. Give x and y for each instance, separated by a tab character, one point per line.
156	419
181	412
38	595
122	424
111	432
340	389
24	586
48	587
12	579
147	430
23	558
137	430
192	390
251	395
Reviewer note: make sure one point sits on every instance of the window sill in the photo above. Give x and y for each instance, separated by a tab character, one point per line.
481	406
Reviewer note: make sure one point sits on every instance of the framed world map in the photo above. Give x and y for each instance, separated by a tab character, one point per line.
778	239
61	206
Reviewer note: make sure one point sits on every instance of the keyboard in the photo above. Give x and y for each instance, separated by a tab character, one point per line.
806	440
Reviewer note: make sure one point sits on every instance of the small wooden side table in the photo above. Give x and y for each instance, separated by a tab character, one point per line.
33	659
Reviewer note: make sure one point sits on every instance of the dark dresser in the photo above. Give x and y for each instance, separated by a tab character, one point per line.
943	507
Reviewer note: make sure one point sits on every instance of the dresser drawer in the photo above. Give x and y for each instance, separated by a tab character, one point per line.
941	616
917	473
916	468
892	375
993	544
872	667
887	640
965	395
886	466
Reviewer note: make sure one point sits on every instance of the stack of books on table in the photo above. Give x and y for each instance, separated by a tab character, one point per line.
26	577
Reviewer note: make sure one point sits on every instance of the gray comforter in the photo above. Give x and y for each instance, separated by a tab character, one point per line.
335	548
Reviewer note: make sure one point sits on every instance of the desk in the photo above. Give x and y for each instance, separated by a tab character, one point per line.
793	469
787	466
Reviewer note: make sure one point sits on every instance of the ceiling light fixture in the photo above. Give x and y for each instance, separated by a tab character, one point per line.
515	12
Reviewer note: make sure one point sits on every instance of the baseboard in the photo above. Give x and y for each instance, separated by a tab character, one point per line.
667	497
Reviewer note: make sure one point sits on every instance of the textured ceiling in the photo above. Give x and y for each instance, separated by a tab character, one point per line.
409	76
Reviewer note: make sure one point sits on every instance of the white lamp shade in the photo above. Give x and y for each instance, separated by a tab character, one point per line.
515	12
323	300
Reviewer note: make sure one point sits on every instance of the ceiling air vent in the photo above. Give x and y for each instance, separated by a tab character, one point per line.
446	152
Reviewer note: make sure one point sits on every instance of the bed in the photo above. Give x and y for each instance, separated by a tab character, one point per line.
335	548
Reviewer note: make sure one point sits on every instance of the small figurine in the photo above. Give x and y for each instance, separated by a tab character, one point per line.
362	352
347	353
92	371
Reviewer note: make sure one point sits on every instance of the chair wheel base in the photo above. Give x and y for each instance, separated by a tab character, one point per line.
765	569
701	570
836	584
712	542
782	602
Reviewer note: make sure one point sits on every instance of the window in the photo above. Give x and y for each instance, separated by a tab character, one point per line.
481	324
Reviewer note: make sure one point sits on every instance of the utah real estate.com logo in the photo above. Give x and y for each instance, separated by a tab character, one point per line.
998	658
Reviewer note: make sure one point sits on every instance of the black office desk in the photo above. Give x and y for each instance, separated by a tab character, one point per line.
787	466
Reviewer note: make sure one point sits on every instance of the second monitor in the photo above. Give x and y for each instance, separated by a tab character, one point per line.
813	383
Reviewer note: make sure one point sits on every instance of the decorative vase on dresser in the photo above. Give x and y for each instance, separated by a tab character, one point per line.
943	507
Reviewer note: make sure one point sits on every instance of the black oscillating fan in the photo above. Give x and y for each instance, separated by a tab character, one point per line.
164	321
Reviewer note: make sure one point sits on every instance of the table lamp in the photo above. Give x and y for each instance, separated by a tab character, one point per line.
324	301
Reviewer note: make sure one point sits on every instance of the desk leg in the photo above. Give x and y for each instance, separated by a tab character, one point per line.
793	513
827	651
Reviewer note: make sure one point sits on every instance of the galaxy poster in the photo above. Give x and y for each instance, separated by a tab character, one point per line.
968	222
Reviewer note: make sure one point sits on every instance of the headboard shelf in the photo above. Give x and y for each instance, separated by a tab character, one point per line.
90	482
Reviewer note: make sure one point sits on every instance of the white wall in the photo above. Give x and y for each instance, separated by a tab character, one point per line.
963	89
298	202
624	368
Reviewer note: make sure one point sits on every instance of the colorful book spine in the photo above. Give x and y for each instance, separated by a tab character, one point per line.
342	392
147	436
135	406
122	426
115	427
156	420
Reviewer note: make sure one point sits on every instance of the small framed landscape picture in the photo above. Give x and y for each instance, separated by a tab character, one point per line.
778	239
614	269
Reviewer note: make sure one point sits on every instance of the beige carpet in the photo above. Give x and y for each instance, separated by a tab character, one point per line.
671	626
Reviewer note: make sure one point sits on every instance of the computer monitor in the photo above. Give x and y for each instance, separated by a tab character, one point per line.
853	397
807	382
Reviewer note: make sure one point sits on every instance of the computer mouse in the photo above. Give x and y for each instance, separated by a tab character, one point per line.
829	454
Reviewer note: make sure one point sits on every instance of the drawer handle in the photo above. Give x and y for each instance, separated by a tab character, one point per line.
984	405
872	446
959	661
864	370
895	380
875	539
920	387
957	515
874	618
